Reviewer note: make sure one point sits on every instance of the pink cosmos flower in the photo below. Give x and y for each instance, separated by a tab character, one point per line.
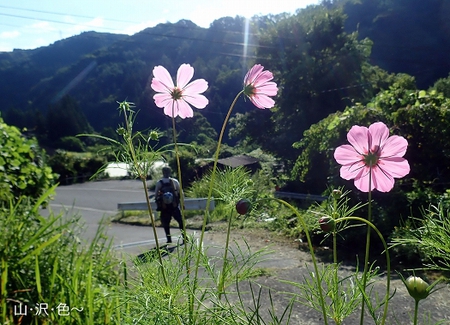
176	99
258	87
372	150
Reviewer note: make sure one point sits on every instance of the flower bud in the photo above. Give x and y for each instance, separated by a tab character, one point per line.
120	131
417	288
336	194
153	135
243	206
327	224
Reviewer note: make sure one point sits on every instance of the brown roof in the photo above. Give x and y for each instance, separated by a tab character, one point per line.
240	160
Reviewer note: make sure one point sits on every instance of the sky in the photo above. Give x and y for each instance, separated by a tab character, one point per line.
29	24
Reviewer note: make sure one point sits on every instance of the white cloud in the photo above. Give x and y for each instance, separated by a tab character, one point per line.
93	24
133	29
5	47
9	35
38	42
41	26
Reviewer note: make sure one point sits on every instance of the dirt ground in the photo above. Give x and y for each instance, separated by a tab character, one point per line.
287	261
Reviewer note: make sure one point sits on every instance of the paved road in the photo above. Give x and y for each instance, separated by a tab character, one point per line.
96	200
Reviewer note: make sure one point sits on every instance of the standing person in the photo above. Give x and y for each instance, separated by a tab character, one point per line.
168	193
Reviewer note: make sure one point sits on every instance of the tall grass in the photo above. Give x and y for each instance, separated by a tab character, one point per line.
49	276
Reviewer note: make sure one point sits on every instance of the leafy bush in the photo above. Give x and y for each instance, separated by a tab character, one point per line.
71	143
408	112
73	167
23	170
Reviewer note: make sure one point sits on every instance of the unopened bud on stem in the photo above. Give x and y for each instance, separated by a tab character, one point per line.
417	288
327	224
243	206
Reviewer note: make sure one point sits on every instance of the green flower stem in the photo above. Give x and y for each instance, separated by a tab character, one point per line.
366	256
225	261
129	141
216	158
177	157
208	202
334	248
313	256
183	218
388	262
416	308
334	232
335	260
336	275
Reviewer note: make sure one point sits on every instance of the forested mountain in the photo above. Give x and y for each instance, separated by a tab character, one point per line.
97	79
324	58
409	36
22	70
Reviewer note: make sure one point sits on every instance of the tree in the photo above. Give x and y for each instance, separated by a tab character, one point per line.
65	118
443	86
319	70
197	129
405	39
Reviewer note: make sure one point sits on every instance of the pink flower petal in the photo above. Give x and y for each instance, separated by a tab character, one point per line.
252	74
262	78
346	155
158	86
171	109
162	99
196	87
382	180
163	76
362	180
395	166
184	110
394	146
184	75
379	132
268	89
352	171
262	101
196	100
358	136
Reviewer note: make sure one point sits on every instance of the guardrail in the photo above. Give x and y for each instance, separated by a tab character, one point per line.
189	204
299	196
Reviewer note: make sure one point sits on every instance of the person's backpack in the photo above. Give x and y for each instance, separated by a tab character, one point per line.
167	197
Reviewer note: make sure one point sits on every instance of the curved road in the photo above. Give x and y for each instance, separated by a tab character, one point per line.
96	200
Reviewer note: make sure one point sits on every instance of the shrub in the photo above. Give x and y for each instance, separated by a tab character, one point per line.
72	144
75	167
23	169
